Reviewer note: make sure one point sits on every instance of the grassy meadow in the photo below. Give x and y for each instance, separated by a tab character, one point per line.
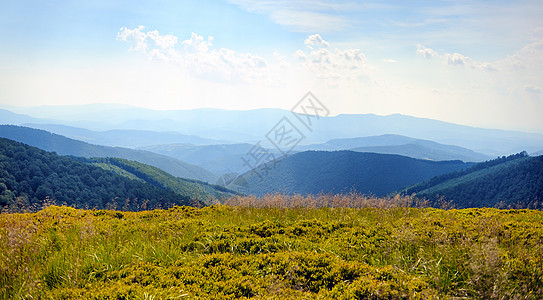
278	247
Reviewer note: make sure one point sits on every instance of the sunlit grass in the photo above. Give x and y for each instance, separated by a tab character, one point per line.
280	247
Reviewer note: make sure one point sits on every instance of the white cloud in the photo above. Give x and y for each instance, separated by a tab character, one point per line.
331	63
197	55
389	60
456	59
316	40
426	52
150	42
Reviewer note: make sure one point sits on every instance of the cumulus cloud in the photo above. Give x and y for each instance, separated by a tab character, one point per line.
529	58
454	59
197	55
330	63
426	52
150	42
316	41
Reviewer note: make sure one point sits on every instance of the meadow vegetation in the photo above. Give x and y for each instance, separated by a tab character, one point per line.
277	247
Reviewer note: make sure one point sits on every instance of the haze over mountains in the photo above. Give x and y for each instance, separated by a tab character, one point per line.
402	145
252	125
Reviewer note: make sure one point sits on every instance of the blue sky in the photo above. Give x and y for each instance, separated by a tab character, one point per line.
477	63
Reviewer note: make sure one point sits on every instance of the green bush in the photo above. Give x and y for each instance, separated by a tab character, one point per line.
232	252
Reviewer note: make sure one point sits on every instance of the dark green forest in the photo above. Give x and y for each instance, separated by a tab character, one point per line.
194	189
314	172
30	178
515	181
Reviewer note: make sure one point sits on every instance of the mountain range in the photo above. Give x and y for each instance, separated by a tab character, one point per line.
228	158
122	138
185	152
401	145
253	125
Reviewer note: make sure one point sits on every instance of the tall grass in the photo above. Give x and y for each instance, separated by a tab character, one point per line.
350	200
277	247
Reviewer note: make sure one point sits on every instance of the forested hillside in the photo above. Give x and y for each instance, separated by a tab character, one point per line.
314	172
193	189
65	146
30	177
513	181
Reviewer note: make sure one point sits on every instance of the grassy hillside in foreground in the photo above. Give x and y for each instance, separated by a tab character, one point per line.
226	252
193	189
514	181
314	172
30	176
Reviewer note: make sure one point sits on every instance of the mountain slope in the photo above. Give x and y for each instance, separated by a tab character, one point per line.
187	188
122	138
30	176
355	142
427	150
8	117
514	181
312	172
65	146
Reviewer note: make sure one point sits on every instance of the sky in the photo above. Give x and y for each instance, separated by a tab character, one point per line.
477	63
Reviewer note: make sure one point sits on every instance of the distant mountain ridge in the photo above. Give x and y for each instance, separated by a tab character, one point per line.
252	125
220	159
313	172
122	138
66	146
401	145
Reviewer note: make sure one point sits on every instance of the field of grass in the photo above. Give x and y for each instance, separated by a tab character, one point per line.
275	248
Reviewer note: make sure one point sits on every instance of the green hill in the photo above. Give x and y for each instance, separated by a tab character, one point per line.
66	146
29	177
513	181
313	172
193	189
